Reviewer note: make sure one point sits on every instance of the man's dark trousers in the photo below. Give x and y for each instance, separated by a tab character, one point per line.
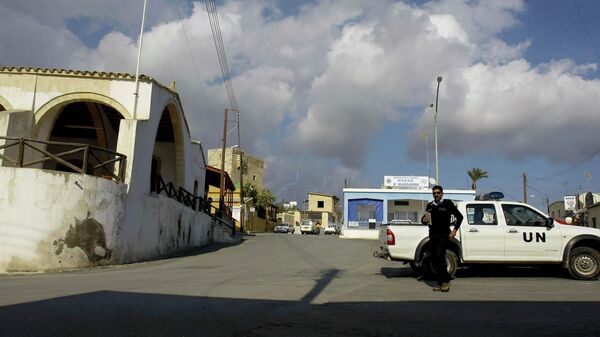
438	256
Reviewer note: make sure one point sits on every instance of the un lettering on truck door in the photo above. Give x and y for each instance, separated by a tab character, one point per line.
527	237
539	237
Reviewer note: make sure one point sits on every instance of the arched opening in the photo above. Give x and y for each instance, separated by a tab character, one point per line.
167	156
4	105
84	122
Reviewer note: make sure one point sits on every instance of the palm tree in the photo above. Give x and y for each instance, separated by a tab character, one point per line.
476	174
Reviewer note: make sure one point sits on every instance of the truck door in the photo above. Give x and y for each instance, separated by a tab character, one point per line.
481	236
527	238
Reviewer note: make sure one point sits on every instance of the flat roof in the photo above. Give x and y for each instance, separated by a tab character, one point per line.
399	190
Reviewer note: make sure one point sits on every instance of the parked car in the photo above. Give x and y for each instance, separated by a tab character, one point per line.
291	228
331	229
308	226
283	228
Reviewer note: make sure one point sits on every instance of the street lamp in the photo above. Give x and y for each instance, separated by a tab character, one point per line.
437	177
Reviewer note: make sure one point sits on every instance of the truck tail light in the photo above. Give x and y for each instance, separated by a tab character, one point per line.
391	238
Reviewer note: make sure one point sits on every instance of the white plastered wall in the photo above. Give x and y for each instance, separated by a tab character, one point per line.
53	220
147	225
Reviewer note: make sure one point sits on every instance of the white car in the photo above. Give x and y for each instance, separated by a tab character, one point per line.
308	226
331	229
283	228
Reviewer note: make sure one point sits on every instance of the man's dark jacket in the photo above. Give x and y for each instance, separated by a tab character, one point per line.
440	217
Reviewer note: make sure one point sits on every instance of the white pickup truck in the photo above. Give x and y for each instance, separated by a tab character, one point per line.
499	232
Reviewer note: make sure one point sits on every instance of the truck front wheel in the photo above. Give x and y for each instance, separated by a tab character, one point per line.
584	263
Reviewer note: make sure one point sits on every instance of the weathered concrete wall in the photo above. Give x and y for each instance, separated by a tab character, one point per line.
158	225
56	220
137	225
359	234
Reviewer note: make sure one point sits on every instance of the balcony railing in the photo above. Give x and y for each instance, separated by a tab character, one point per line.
79	158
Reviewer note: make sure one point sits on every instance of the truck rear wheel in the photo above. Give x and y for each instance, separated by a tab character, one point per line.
451	263
584	263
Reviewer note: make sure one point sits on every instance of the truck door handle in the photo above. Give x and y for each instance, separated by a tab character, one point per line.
473	230
513	231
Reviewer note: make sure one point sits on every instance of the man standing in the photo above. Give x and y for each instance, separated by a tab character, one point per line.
437	217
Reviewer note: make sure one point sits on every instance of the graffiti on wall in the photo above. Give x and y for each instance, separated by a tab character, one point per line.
88	235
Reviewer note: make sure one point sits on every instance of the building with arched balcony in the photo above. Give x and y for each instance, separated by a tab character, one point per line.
88	178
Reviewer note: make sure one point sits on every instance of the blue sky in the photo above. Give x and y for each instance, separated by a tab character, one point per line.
333	90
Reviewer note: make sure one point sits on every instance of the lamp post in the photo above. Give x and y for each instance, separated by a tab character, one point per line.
437	177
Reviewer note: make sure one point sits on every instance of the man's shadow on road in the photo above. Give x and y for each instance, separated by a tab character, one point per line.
407	272
482	271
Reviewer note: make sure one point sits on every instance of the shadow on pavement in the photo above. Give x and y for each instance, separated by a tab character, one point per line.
212	247
107	313
487	271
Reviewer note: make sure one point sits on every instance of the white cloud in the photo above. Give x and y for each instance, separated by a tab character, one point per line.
313	88
519	111
448	28
25	41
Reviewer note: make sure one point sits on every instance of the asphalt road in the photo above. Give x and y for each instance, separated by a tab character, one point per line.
294	285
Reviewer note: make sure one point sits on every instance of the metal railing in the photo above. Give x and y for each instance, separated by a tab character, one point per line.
88	155
197	203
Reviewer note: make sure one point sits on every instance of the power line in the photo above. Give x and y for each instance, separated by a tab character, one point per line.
587	32
204	98
213	17
570	167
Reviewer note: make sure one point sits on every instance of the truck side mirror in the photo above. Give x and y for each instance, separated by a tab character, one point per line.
549	222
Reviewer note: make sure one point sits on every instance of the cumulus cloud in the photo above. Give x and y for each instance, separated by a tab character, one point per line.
314	87
518	110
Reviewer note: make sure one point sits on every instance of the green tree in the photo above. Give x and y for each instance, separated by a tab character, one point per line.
264	199
249	191
476	174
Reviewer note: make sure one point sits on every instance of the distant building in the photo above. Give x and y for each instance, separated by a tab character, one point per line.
254	167
253	173
557	210
366	209
322	208
593	215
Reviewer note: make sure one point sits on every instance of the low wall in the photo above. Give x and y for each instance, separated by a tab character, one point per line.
57	220
54	220
369	234
158	225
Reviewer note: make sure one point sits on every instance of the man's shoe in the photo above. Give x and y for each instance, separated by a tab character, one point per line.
437	288
445	287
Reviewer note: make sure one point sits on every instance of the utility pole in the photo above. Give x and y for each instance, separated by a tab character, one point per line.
242	204
524	188
222	183
222	187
